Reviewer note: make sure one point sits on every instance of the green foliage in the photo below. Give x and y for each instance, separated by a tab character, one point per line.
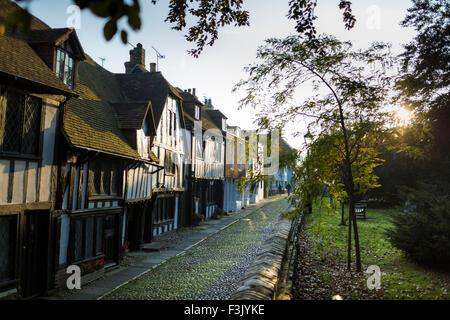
218	213
423	230
354	85
302	12
426	60
197	219
211	16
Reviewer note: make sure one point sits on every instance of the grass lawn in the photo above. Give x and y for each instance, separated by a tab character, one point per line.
324	258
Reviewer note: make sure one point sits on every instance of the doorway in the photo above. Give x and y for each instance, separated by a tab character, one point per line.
111	233
35	252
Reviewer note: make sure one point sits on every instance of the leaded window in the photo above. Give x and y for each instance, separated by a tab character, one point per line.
169	163
87	237
65	65
20	123
104	178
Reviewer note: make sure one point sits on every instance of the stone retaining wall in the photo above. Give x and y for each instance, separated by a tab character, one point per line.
269	276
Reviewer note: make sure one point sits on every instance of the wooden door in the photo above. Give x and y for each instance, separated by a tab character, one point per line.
35	253
111	240
148	208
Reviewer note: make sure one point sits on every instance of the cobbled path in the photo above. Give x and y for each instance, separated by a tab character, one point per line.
210	270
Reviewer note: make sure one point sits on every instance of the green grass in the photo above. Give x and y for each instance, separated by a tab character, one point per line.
401	278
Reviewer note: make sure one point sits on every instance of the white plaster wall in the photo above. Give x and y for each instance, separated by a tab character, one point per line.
64	240
4	180
51	118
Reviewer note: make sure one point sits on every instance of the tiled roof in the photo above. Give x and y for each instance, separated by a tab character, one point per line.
189	103
56	37
90	121
147	86
188	97
284	147
131	115
208	122
216	114
18	59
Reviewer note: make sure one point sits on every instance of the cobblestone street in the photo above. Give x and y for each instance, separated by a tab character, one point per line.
211	269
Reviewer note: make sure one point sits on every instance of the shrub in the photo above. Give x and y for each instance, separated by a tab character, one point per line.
91	266
422	230
218	213
196	219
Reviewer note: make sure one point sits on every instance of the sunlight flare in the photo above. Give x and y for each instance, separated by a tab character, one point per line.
403	115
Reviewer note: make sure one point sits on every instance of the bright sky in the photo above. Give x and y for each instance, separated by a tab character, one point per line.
220	67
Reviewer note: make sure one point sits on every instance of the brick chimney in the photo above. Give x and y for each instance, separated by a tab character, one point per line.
137	57
208	103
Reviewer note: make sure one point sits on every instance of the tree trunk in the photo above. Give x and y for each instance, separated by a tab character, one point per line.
355	231
349	243
342	215
349	176
351	194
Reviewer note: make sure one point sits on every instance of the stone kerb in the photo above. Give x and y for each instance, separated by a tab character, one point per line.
261	279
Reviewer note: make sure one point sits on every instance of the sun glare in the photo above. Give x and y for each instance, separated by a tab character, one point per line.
403	116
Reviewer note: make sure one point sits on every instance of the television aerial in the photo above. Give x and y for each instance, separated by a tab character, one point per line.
158	56
103	60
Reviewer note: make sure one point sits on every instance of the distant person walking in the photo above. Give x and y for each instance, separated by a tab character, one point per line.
288	187
279	188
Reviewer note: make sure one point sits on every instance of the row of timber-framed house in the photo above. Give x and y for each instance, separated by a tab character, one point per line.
88	159
205	165
92	160
125	139
161	138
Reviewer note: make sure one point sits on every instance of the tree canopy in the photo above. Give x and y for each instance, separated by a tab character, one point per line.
209	16
348	93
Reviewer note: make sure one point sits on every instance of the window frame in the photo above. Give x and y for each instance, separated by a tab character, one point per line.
95	253
197	112
169	164
24	96
104	168
61	73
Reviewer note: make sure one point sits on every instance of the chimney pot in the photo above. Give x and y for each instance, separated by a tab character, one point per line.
193	91
152	67
189	90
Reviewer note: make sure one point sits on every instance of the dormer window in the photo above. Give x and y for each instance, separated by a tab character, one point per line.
197	112
65	64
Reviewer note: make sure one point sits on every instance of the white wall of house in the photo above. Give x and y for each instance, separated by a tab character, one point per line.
27	169
169	139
